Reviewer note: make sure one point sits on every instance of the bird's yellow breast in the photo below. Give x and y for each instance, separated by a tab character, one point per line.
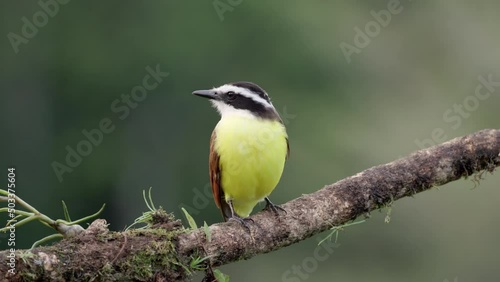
252	156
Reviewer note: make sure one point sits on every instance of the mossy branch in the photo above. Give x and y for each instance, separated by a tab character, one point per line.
166	251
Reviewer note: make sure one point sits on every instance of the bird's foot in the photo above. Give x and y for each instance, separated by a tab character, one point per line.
275	208
242	221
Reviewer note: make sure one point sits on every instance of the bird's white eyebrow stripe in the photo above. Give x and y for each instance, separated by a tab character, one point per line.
244	92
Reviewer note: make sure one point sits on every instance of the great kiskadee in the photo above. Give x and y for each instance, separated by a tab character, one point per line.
248	148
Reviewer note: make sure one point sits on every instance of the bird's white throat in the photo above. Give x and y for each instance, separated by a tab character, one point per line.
226	110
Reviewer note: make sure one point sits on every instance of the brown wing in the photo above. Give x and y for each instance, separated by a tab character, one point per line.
287	149
214	170
215	180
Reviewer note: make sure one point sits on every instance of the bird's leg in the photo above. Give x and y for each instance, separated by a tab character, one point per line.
236	217
273	207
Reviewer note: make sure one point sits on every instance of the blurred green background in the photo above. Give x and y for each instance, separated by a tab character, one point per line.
402	88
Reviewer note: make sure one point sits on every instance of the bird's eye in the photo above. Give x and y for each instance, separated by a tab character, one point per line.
231	95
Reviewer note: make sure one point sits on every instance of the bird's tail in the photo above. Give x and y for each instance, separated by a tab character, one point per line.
224	207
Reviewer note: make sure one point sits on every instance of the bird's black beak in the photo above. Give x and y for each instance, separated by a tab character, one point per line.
210	94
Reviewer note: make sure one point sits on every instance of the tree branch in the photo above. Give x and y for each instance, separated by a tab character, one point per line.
163	254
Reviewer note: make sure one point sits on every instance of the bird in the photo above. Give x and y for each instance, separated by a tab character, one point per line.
248	149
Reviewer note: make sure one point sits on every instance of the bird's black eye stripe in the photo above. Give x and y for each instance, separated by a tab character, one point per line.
253	88
231	95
